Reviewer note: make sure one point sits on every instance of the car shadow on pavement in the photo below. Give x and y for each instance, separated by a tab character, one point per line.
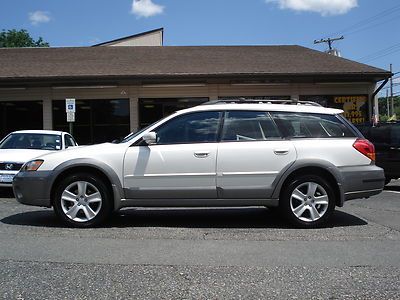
6	193
251	217
395	188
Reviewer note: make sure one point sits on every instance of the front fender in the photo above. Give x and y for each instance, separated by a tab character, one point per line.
95	164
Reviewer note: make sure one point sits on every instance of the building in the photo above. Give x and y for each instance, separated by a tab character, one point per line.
121	89
149	38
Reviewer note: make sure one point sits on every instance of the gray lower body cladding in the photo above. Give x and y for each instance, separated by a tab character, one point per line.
33	188
362	181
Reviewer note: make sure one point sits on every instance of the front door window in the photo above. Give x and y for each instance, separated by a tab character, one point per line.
201	127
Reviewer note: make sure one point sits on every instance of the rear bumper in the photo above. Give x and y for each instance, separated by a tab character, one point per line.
362	181
32	188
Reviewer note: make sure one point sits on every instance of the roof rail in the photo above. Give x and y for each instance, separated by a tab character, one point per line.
262	101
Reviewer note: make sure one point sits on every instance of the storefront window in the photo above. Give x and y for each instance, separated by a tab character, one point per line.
355	107
152	110
96	121
19	115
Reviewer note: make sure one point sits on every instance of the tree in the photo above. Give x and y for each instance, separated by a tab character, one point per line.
19	38
383	105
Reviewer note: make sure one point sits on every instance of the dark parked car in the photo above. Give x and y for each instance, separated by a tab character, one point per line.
386	138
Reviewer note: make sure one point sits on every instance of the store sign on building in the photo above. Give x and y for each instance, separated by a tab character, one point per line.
355	107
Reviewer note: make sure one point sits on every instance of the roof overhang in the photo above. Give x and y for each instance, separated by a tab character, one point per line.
141	79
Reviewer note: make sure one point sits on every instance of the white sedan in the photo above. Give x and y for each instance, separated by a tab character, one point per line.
19	147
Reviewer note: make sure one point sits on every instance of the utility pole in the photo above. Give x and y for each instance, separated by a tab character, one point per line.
387	104
329	41
391	91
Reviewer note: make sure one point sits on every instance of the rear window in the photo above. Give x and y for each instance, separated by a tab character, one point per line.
305	125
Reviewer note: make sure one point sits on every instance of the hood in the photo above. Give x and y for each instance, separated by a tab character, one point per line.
83	151
20	155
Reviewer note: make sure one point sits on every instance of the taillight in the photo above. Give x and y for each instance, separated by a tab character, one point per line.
365	147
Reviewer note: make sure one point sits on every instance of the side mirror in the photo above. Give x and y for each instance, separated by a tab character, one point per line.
150	137
116	141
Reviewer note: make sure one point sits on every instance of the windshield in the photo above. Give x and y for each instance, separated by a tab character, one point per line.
32	141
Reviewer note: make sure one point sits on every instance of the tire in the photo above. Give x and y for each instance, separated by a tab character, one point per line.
82	200
307	201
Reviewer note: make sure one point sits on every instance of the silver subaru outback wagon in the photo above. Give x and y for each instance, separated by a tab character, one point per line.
298	157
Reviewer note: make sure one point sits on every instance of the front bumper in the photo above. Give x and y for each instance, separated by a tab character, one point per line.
33	188
6	178
362	181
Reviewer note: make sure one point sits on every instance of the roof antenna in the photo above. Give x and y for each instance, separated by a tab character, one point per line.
329	41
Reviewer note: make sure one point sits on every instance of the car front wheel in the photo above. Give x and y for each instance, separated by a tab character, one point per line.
308	201
82	200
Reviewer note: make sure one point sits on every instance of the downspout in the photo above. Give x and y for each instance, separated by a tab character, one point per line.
374	108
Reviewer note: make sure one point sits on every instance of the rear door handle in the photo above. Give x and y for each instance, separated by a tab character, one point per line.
281	151
201	154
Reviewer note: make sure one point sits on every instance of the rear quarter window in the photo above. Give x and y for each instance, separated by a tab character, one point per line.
307	125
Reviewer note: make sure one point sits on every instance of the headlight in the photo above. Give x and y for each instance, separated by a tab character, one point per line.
32	165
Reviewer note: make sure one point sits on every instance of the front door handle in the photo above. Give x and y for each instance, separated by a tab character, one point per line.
281	151
201	154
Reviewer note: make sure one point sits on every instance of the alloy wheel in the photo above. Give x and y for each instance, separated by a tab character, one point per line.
81	201
309	201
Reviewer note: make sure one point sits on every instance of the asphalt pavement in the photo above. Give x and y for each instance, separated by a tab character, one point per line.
217	253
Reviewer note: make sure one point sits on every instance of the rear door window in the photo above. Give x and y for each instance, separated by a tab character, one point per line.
249	126
307	125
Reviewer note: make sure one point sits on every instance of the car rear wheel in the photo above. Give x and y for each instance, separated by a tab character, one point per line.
308	201
82	200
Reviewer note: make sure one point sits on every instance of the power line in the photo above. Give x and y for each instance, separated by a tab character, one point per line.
388	87
372	26
381	53
385	87
367	21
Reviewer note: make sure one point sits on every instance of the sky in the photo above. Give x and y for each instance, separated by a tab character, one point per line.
370	27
